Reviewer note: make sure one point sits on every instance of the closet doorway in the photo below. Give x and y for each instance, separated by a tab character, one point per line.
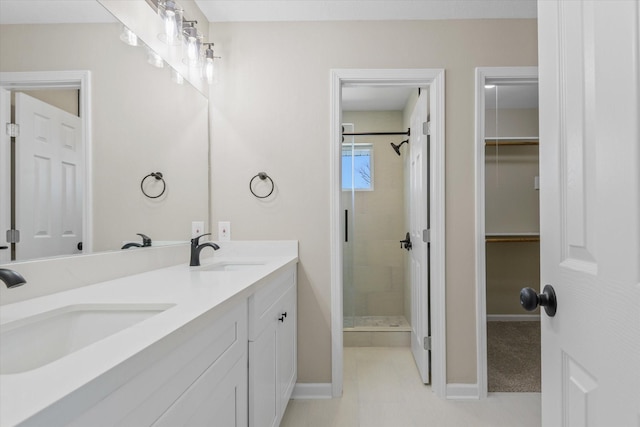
508	229
425	326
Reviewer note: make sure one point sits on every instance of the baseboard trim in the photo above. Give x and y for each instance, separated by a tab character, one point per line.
463	391
513	317
312	391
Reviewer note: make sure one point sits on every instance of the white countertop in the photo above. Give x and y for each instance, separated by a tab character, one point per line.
193	291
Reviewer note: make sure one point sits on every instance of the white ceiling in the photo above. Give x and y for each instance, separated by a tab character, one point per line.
72	11
363	10
53	12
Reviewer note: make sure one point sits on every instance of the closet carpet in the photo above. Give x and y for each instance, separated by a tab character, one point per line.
513	356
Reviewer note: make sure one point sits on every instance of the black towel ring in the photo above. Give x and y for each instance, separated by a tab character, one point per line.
262	176
158	177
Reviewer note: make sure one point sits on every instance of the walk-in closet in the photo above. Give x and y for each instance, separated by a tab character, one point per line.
512	239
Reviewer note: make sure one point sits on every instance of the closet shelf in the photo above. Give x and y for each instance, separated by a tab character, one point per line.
512	237
502	141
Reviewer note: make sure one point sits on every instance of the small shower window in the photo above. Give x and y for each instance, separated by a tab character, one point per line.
357	167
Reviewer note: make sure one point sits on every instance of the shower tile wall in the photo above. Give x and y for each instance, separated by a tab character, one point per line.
378	261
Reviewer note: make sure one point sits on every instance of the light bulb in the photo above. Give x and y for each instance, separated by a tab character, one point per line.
192	52
171	14
208	70
193	43
170	25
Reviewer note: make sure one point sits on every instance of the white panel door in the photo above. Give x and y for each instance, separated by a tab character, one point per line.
5	175
418	224
589	58
49	163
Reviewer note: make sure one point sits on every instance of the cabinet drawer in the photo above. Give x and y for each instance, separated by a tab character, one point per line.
263	305
141	400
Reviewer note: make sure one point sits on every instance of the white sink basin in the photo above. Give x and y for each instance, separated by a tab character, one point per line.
231	266
37	340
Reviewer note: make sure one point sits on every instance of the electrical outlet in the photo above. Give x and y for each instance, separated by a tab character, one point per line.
224	231
197	228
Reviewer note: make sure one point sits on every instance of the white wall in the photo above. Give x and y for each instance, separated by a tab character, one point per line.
270	112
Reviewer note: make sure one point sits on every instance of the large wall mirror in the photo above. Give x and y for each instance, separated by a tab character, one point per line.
139	119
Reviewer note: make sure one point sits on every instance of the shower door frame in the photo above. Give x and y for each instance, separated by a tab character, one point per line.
434	80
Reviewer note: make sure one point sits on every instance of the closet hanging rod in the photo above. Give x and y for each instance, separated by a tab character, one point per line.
407	133
503	143
511	239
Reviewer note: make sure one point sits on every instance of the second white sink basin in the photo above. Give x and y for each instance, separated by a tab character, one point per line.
37	340
231	266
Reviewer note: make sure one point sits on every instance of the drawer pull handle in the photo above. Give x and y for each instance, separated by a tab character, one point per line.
282	316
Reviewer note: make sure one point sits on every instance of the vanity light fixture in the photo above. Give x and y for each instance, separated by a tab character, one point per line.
192	44
172	16
207	69
129	37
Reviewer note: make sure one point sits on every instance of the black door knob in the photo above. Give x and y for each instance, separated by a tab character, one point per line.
530	299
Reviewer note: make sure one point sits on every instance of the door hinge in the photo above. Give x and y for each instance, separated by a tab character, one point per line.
13	130
426	128
13	236
426	235
427	343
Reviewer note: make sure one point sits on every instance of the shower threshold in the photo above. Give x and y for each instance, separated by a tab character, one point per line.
375	323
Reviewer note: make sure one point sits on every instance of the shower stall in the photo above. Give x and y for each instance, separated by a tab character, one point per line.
375	284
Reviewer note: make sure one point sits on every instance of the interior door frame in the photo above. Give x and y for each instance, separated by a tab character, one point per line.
434	80
5	175
72	79
506	74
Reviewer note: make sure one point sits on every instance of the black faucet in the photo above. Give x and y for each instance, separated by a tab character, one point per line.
196	248
11	278
146	242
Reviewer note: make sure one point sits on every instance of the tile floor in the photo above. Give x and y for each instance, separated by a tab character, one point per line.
376	323
382	389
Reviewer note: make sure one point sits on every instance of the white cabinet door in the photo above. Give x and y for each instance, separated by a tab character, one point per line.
263	380
287	348
272	350
589	63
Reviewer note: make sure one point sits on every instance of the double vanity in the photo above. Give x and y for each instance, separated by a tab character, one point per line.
180	345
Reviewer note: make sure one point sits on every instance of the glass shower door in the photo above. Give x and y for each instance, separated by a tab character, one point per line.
348	208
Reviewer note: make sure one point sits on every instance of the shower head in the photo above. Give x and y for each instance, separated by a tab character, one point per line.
396	148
